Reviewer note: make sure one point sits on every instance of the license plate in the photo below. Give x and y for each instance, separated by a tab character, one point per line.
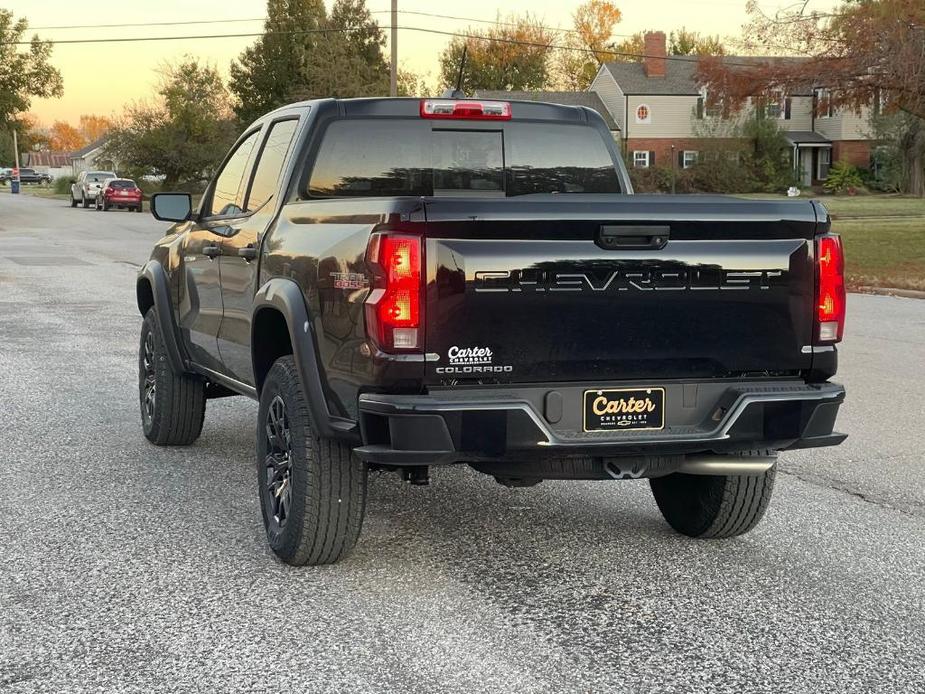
624	409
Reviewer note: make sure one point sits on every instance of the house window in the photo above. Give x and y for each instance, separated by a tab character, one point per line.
643	114
823	163
707	108
640	160
778	106
824	107
688	158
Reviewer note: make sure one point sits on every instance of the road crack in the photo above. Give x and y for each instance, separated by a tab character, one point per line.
914	509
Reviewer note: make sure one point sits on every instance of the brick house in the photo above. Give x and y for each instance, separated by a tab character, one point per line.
664	119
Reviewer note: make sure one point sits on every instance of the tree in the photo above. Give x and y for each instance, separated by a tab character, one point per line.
630	49
183	135
64	137
587	45
263	76
93	127
306	54
864	52
514	54
684	42
23	73
29	137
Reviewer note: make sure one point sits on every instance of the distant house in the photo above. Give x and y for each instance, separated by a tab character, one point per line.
589	99
90	158
55	164
661	111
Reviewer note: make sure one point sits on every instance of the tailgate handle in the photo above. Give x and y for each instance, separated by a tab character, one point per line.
633	237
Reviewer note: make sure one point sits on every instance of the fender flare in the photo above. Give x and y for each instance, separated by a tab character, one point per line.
285	296
153	272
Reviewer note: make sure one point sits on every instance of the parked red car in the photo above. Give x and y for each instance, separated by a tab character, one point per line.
121	193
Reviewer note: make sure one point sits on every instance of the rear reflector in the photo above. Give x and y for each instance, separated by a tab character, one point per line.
830	282
393	308
465	109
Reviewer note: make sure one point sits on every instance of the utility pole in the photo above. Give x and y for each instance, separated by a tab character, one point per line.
14	181
393	78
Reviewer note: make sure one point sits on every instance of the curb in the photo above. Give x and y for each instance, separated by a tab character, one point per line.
889	291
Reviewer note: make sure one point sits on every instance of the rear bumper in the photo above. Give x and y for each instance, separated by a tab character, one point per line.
502	423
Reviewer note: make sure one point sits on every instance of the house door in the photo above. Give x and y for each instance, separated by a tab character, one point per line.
806	167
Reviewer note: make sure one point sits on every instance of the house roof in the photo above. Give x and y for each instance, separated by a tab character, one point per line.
807	138
54	160
589	99
680	75
83	151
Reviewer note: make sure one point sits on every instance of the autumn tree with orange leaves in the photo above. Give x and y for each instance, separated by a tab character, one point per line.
513	54
64	137
866	53
93	127
587	45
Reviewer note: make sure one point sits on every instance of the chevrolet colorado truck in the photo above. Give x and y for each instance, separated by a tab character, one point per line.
404	283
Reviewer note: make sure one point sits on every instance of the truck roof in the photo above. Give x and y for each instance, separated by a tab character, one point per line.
409	107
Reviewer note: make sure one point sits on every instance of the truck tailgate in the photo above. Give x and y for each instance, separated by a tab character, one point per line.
598	288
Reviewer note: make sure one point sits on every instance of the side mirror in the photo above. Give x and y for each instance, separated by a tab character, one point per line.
172	207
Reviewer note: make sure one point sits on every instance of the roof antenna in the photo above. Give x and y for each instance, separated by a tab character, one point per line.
458	93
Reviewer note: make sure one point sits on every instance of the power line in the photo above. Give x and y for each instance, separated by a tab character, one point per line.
261	19
148	24
456	34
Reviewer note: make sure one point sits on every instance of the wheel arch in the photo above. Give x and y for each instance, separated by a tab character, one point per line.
279	306
153	290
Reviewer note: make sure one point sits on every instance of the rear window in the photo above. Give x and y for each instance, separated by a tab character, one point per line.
365	158
122	183
98	177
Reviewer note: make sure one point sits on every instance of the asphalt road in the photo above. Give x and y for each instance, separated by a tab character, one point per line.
125	567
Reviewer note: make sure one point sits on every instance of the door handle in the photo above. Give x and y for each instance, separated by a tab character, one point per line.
249	252
633	237
211	251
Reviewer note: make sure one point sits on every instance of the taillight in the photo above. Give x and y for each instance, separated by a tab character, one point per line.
394	315
465	110
830	289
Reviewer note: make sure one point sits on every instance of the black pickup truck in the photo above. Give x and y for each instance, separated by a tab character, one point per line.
404	283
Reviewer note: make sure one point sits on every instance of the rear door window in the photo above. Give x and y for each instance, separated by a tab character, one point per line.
228	193
270	165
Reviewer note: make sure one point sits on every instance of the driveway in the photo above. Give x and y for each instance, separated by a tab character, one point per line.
125	567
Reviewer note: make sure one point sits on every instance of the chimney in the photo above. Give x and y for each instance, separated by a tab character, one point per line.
655	50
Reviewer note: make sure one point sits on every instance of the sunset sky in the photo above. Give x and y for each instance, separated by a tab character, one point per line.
101	78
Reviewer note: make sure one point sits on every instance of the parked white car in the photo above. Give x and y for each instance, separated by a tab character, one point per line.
88	186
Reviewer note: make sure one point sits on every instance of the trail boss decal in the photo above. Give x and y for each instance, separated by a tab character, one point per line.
624	408
471	360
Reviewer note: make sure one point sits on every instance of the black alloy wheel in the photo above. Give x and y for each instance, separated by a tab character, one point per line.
149	387
277	488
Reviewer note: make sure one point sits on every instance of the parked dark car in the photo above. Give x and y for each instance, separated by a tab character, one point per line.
404	283
122	193
26	176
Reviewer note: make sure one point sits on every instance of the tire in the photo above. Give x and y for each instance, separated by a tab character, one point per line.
312	490
177	406
140	207
86	203
714	506
73	201
103	206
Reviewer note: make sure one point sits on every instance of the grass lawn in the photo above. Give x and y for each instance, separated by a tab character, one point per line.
884	252
884	238
849	207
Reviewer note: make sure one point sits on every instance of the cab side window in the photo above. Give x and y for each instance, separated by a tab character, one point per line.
270	165
228	194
